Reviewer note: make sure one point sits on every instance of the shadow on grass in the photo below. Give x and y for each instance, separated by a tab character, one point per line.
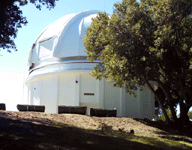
28	134
168	132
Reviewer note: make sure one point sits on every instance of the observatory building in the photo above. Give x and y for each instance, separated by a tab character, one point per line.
59	73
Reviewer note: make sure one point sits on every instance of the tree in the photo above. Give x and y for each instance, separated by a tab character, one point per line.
190	114
161	116
11	19
146	43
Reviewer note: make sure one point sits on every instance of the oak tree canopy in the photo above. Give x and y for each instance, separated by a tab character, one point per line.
11	18
146	43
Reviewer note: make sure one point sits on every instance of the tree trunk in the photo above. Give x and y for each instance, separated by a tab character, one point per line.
184	118
169	98
160	103
173	113
163	109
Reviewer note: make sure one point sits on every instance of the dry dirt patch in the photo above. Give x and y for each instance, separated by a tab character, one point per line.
123	124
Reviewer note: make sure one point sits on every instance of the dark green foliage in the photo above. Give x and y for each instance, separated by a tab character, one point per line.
146	43
11	19
190	114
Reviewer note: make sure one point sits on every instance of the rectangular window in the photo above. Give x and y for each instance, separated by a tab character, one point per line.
46	47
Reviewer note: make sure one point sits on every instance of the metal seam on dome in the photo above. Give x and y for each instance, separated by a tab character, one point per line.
64	24
59	64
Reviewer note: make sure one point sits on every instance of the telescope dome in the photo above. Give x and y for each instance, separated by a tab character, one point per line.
59	75
61	41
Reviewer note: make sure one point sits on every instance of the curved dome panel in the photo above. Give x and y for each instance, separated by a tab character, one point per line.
62	39
70	42
54	29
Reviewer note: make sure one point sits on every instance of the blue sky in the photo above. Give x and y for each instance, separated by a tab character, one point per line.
13	66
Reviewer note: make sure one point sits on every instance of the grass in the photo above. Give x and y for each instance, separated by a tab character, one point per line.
155	143
48	134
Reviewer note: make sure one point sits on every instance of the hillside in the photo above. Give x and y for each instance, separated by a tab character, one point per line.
34	130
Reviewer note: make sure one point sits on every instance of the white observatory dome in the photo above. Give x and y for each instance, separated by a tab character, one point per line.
59	73
61	43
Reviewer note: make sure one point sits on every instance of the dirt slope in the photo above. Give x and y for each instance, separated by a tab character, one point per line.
141	127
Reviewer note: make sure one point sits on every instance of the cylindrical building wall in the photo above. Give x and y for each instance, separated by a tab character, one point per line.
59	73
